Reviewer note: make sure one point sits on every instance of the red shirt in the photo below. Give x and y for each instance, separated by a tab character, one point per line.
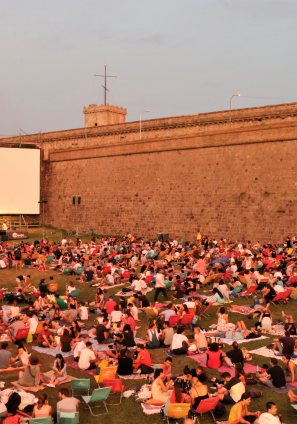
131	322
144	358
109	306
40	338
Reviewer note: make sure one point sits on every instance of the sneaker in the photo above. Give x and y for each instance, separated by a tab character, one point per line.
50	385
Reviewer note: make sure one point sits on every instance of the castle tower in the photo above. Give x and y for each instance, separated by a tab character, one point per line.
99	115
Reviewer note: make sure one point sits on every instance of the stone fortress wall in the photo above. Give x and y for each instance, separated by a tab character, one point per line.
231	174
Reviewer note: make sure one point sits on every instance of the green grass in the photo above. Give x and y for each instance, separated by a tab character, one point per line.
130	411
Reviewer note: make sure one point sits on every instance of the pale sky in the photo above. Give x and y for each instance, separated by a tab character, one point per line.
174	57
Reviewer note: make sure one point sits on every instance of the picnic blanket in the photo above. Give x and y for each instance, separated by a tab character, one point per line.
73	364
33	389
268	353
135	376
49	375
200	358
150	409
99	347
110	287
124	294
281	389
230	341
51	352
243	310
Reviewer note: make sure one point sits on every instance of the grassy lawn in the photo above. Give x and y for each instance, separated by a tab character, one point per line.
129	410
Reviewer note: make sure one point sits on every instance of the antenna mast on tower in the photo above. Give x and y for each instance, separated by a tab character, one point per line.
105	76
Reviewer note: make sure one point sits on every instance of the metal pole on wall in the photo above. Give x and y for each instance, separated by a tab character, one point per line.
230	103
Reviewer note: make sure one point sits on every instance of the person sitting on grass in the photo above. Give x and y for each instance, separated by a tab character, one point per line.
215	357
143	361
42	409
200	342
67	403
31	375
232	390
199	390
22	357
180	343
270	416
239	412
45	338
167	368
125	363
177	396
59	371
5	356
274	377
160	389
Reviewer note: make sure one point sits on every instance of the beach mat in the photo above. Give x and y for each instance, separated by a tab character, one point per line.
280	390
33	389
111	287
49	375
73	364
200	358
51	352
230	341
135	376
268	353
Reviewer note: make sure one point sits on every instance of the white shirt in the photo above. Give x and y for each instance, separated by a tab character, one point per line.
159	280
139	285
116	316
134	312
110	278
33	321
177	341
267	418
190	304
14	311
70	289
84	313
78	348
86	355
278	289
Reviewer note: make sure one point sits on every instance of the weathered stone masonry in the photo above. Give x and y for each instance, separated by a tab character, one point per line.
229	174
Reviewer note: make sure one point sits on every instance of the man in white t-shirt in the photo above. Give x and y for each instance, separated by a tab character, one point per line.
269	417
139	285
33	323
67	403
87	358
160	285
80	346
180	342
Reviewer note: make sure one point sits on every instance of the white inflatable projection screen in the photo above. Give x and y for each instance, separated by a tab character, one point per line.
19	180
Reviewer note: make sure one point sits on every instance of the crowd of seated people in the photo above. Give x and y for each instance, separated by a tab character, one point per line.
186	277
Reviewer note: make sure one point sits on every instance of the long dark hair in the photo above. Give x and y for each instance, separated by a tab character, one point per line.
178	392
42	398
60	365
